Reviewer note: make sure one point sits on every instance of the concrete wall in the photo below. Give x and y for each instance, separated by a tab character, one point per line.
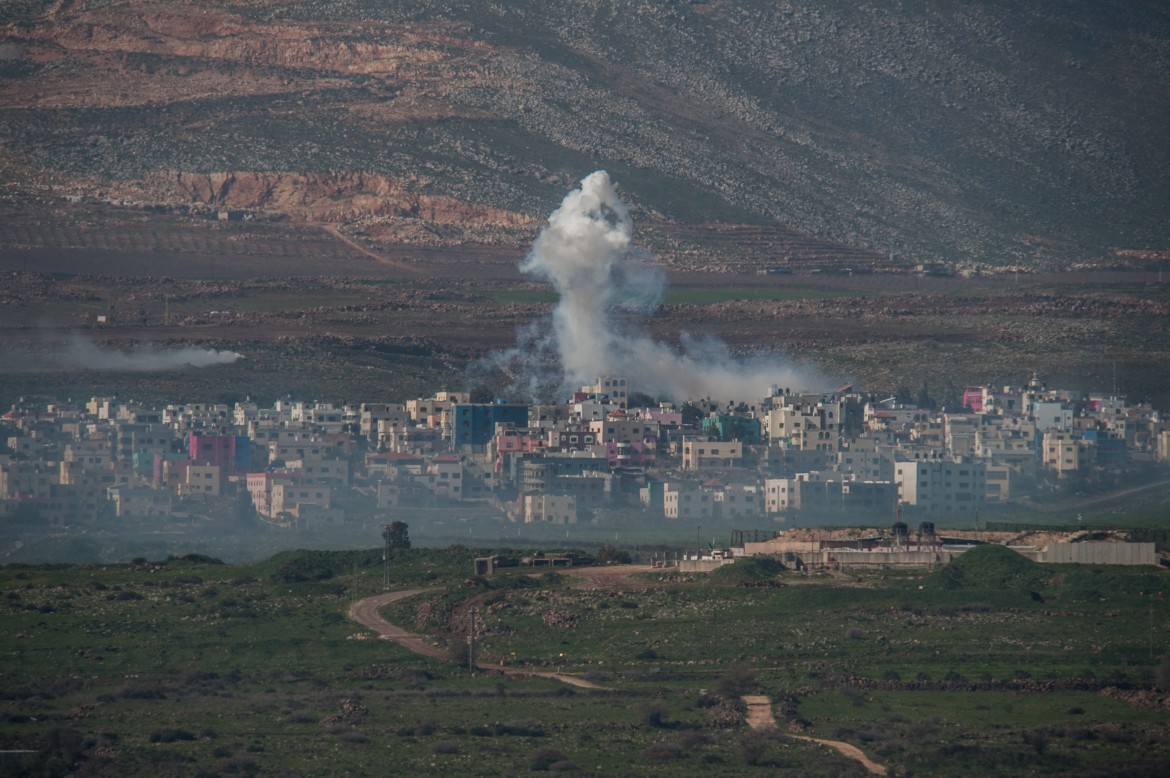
844	558
701	565
1101	553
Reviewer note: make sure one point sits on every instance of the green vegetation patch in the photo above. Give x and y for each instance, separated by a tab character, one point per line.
987	567
255	668
749	570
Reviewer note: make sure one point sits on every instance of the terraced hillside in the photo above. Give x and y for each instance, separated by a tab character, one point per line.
993	133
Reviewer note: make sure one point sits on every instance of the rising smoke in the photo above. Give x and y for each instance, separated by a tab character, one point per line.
80	354
586	252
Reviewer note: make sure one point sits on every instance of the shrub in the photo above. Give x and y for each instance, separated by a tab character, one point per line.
654	716
693	739
662	752
737	681
1038	740
170	735
445	747
525	728
755	744
608	553
543	759
1162	673
240	765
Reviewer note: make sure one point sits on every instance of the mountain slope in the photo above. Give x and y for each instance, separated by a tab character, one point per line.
990	132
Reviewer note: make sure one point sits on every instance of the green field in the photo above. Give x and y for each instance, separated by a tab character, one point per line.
191	667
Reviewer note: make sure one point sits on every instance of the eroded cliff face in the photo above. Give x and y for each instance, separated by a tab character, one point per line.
167	57
330	198
945	133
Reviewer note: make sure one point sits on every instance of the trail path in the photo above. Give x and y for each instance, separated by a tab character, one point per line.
336	233
759	707
759	716
365	612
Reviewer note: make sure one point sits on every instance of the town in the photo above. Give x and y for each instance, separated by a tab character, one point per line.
785	459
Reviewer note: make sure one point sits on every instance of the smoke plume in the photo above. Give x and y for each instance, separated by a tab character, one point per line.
586	252
80	354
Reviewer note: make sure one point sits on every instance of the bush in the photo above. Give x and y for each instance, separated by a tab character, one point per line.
445	747
693	739
608	553
755	744
543	759
170	735
524	728
654	716
737	681
1162	673
662	752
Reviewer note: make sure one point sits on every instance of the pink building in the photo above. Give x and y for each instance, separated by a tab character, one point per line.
516	441
229	452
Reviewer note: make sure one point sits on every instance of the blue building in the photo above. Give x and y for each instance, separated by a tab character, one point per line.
474	424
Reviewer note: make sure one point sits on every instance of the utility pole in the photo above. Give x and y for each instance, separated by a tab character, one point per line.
386	558
471	643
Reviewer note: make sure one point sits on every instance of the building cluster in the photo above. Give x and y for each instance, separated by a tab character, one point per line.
784	456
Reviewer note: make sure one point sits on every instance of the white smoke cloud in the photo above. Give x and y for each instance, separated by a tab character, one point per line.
587	253
80	354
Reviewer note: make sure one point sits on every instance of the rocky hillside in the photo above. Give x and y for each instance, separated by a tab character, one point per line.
991	132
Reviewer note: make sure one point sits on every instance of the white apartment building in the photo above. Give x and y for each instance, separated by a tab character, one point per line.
941	485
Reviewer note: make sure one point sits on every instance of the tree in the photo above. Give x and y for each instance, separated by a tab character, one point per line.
692	414
397	535
245	510
608	553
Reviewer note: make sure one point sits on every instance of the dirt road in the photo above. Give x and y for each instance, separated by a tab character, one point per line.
759	716
759	707
365	612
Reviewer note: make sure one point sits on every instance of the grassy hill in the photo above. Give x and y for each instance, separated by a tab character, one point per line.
188	667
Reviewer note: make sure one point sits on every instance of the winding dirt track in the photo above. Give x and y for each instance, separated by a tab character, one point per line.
759	716
365	612
759	707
